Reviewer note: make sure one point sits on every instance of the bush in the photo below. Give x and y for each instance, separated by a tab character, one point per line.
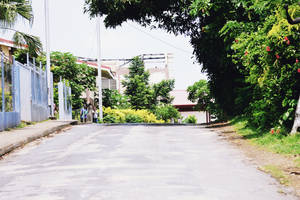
110	119
113	99
129	116
191	119
167	113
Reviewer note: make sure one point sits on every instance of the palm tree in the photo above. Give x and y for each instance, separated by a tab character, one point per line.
10	12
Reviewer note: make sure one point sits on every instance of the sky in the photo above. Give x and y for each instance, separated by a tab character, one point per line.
73	31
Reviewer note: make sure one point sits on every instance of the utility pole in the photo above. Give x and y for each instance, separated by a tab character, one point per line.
99	67
47	34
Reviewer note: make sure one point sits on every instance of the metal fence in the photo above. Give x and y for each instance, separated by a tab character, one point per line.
34	92
9	93
65	101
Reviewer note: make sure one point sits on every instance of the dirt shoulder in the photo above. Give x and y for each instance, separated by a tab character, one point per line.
281	167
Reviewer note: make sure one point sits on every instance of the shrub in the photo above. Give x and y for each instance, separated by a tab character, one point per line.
129	116
110	119
191	119
167	113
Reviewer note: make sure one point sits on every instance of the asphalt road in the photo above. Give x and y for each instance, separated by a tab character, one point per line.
134	163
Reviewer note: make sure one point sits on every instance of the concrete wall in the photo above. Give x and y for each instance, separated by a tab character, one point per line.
201	116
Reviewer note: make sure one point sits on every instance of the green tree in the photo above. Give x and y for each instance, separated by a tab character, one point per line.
10	12
137	85
167	113
79	76
161	92
139	92
199	93
113	99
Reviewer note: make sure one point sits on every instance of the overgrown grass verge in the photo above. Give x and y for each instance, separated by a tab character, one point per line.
276	142
276	173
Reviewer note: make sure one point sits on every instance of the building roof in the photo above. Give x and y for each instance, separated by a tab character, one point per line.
92	64
9	43
107	70
181	98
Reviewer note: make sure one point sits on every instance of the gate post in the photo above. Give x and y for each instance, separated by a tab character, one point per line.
2	122
61	100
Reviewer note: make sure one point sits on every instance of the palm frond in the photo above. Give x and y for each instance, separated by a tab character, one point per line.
11	10
32	42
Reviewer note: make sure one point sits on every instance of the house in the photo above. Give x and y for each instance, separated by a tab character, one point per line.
107	76
8	47
186	107
106	71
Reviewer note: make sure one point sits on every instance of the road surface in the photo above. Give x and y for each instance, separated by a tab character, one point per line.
92	162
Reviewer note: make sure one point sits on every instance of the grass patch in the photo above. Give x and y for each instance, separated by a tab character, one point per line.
277	143
276	173
22	125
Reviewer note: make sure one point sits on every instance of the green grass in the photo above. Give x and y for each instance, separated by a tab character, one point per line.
276	173
277	143
22	125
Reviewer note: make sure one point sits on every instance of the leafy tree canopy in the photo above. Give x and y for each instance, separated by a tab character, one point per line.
113	99
200	94
79	76
140	93
137	85
161	92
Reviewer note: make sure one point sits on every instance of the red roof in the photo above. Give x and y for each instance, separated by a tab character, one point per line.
92	64
10	42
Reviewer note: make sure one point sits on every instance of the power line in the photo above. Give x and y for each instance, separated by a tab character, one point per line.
156	38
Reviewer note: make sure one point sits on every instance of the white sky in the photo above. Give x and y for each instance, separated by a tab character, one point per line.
72	31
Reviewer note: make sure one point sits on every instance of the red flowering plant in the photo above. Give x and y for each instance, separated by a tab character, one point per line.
270	66
286	39
276	131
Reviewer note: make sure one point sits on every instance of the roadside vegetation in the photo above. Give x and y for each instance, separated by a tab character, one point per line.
275	140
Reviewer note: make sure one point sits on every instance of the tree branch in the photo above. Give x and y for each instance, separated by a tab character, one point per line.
290	20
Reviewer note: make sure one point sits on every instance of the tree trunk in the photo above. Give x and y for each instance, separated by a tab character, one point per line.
297	119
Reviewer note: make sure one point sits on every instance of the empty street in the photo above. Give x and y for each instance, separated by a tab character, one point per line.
134	163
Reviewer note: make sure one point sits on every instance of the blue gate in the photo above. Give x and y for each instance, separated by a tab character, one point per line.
9	93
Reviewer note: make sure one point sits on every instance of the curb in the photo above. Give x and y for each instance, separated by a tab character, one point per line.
7	149
145	124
